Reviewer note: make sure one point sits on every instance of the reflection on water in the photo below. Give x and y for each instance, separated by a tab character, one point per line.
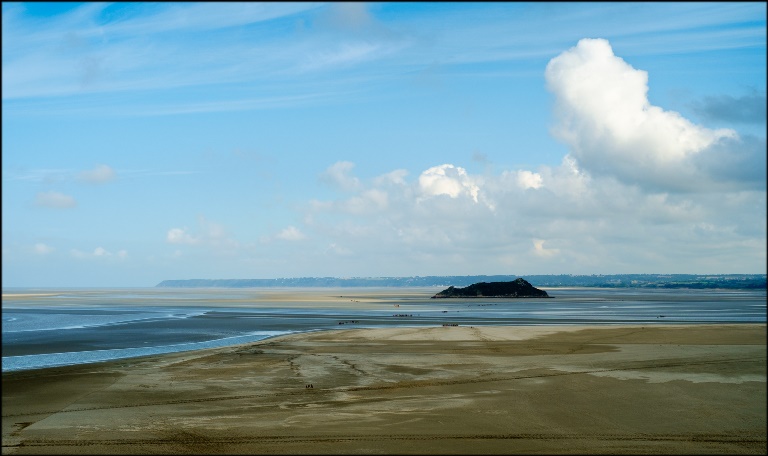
49	328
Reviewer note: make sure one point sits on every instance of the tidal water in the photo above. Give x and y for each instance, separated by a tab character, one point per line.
47	328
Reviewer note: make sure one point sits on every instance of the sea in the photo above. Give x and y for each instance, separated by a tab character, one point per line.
47	328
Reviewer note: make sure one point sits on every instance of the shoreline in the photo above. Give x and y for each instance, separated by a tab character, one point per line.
615	389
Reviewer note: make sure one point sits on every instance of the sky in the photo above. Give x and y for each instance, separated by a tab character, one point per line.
150	141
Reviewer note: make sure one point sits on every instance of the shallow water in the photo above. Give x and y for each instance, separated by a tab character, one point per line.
46	328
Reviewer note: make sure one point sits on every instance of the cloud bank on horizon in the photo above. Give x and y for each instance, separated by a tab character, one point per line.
632	187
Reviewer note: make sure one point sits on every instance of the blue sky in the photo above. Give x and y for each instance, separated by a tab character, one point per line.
144	142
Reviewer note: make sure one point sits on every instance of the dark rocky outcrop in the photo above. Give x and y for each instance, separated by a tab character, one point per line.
518	288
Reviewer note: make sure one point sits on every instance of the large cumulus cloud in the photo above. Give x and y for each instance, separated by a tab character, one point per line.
604	116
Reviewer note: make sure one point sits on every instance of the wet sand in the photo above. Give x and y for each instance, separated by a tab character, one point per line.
322	297
434	390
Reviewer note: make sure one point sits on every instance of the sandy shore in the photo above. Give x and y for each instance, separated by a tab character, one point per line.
438	390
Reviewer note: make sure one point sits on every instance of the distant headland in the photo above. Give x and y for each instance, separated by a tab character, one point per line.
518	288
725	281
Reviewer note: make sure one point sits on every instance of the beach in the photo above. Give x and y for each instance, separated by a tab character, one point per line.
616	389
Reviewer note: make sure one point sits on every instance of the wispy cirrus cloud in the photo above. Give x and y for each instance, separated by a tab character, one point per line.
95	49
99	175
198	17
157	50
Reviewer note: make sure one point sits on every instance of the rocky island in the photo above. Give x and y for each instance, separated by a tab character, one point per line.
518	288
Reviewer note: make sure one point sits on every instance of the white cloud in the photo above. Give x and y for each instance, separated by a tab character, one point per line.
98	253
291	233
180	236
42	249
55	200
210	234
368	201
612	129
337	175
99	175
396	177
448	180
527	179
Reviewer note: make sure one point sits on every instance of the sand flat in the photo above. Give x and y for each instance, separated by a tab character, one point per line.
439	390
27	295
336	298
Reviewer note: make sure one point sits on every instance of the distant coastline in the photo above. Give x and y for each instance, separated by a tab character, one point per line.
661	281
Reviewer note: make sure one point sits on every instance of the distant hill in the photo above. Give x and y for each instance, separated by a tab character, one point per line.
518	288
725	281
